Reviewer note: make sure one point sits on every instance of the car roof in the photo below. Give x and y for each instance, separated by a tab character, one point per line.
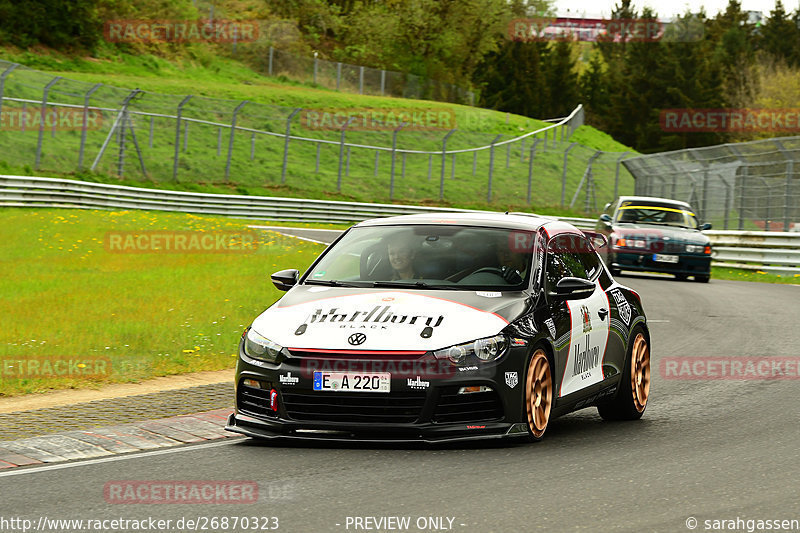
525	221
653	199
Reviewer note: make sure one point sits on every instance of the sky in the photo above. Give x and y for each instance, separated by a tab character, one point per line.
664	8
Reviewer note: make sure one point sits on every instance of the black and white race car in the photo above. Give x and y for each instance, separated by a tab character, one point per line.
445	327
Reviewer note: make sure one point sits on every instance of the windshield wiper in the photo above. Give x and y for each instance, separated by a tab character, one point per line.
405	284
327	283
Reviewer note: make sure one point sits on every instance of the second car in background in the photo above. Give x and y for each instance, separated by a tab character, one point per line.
655	235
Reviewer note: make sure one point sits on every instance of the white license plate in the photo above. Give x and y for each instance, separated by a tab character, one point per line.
661	258
352	382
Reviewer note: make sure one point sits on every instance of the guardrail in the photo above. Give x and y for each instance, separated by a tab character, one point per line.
768	251
25	191
776	252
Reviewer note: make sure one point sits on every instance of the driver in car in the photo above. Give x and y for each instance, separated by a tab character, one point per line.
401	257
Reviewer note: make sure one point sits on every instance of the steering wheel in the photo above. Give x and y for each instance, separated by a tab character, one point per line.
511	275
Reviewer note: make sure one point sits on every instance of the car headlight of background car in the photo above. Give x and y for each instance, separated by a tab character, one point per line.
483	350
623	242
261	348
698	249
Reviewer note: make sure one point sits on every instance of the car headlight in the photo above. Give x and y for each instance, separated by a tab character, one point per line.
481	351
260	347
698	249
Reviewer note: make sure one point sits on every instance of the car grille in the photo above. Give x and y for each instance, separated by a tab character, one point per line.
472	407
391	408
253	401
672	248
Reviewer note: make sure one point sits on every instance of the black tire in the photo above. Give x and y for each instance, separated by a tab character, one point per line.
631	398
702	279
538	394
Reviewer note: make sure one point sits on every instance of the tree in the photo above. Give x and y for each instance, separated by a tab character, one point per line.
780	36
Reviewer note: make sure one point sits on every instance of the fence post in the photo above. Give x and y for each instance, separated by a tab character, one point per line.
377	154
383	81
185	135
394	158
788	188
341	153
252	146
444	162
338	74
3	77
530	167
178	137
271	54
316	167
491	167
616	175
361	80
150	141
288	133
316	64
123	119
84	127
43	118
230	140
564	171
587	175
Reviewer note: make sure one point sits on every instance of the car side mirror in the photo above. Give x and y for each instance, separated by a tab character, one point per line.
285	279
605	217
598	239
705	226
573	289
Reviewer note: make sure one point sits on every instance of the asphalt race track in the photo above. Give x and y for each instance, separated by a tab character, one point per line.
708	449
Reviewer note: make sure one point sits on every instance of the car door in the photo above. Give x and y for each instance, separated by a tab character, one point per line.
586	320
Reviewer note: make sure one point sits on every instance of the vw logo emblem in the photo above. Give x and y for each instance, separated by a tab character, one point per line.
357	338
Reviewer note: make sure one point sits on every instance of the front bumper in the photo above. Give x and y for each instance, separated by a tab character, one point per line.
424	404
688	264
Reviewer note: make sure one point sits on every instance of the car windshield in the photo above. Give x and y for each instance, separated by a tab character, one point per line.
661	214
427	257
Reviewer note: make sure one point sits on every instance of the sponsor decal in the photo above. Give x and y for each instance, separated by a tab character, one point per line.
623	307
356	339
551	327
586	359
418	383
273	400
486	294
379	317
467	368
288	379
512	378
476	427
587	321
519	342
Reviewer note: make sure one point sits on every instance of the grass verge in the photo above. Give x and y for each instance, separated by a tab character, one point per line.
149	314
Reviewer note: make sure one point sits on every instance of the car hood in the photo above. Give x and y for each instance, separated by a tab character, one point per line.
678	235
314	317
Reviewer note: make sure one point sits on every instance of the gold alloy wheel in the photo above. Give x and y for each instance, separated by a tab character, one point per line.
538	393
640	372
